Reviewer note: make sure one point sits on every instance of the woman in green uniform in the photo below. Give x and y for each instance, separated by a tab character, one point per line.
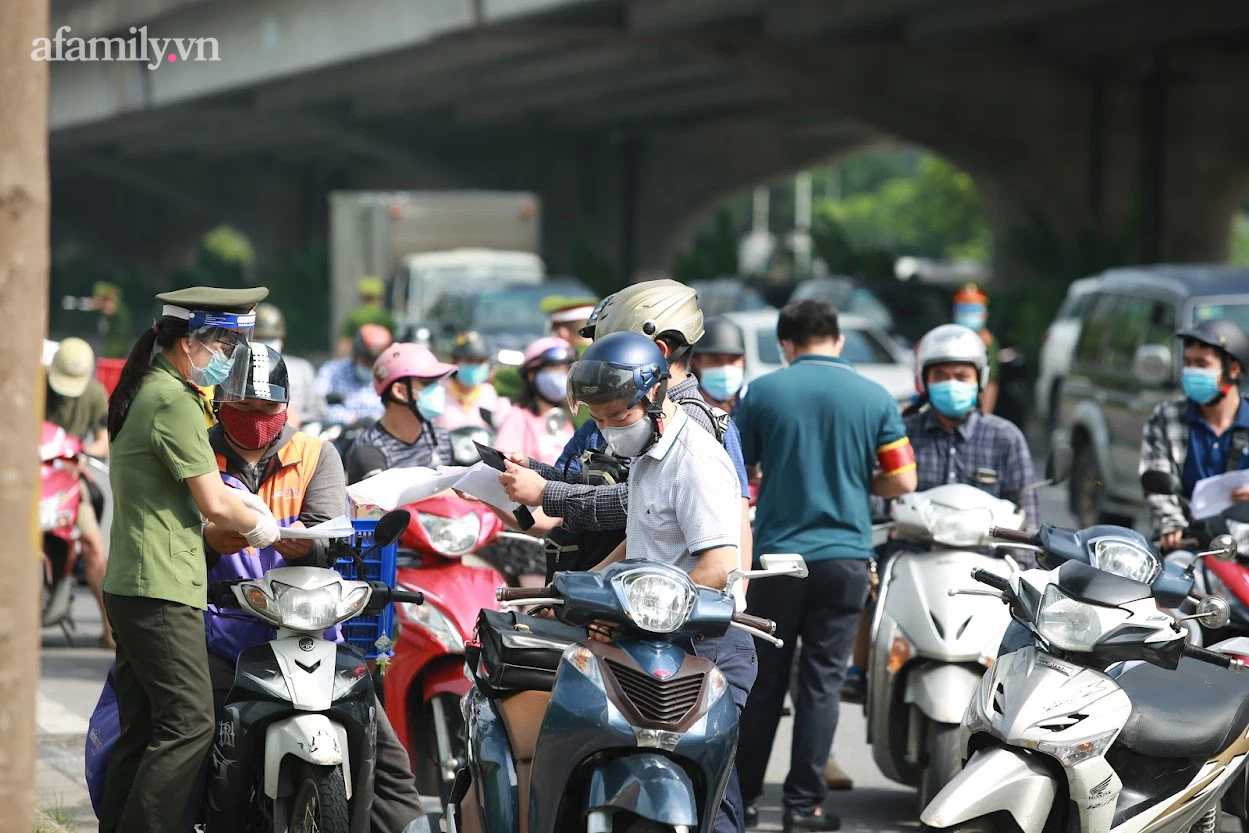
165	480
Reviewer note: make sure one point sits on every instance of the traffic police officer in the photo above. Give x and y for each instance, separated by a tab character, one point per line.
164	478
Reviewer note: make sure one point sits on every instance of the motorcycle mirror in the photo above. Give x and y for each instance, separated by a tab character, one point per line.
390	528
1058	464
784	563
1222	548
1158	482
1214	612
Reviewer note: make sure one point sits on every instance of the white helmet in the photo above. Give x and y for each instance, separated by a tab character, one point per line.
951	343
650	308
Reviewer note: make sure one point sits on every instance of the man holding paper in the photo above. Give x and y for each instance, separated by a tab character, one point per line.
1206	433
300	479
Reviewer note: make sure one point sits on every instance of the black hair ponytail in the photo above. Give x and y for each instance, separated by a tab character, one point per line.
163	334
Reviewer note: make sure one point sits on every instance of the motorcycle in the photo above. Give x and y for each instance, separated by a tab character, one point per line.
929	651
425	680
629	736
296	739
1226	579
59	498
1108	720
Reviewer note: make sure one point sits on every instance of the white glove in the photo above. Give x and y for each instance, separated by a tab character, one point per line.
265	531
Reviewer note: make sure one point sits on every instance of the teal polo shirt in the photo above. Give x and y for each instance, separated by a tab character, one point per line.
817	428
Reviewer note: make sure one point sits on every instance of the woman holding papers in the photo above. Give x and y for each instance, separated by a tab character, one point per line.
300	478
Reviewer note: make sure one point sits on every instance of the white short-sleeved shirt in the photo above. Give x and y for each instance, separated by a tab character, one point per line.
684	497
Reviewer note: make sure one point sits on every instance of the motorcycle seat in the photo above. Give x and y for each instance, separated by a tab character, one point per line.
1195	711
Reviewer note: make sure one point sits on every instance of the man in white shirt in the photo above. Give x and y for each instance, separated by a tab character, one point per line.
684	496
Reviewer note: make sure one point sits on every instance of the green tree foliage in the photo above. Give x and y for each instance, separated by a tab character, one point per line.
713	253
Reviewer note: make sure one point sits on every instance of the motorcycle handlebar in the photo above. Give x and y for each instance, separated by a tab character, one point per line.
521	594
756	622
992	579
1019	536
1213	657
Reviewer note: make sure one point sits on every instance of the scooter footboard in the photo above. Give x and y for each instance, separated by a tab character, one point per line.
647	785
994	780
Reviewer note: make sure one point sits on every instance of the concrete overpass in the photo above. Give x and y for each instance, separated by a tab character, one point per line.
1079	119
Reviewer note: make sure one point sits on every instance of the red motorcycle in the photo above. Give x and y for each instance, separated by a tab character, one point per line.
425	680
59	500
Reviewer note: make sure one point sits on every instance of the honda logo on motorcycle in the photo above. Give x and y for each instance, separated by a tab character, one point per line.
306	644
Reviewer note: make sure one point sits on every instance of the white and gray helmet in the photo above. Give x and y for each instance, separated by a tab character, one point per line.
951	343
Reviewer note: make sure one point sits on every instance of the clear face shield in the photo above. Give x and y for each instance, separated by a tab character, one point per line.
219	350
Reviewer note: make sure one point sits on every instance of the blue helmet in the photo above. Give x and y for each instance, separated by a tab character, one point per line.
623	365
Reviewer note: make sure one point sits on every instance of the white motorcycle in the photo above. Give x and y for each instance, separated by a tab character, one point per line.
929	651
1153	743
296	739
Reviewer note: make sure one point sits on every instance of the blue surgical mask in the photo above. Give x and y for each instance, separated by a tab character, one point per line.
215	372
972	316
432	401
953	398
1201	384
363	374
472	375
722	382
552	385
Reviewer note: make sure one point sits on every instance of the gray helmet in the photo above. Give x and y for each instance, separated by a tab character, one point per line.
722	336
951	343
1222	335
270	323
651	308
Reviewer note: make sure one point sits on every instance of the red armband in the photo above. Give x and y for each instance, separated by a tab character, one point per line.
896	457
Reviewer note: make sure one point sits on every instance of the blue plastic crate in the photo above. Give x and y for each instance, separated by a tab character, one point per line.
362	632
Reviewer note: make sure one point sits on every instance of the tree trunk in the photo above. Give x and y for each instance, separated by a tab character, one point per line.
23	302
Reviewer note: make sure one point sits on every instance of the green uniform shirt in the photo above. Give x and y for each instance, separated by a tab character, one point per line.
368	314
157	548
81	416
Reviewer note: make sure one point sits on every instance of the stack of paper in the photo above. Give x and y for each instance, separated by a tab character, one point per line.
339	527
400	487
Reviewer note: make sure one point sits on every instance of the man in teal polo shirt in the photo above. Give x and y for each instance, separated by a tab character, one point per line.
826	439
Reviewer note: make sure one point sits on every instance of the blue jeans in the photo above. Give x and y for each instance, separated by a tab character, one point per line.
734	654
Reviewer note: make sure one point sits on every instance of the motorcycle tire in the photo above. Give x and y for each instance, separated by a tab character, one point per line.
944	761
992	823
320	802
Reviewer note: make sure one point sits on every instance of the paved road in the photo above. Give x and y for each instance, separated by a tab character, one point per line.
71	680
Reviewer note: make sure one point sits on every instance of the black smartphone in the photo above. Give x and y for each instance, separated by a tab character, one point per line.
493	458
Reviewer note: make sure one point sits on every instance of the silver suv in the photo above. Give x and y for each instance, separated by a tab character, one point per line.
1125	363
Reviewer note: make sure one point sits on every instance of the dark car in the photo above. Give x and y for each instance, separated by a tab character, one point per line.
727	294
1126	362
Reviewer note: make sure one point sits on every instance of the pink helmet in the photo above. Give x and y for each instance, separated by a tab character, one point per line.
405	361
548	350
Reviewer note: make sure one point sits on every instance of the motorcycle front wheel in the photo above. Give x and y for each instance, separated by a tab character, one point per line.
944	761
320	802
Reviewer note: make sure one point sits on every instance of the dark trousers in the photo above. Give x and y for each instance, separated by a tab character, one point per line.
165	707
396	803
734	654
823	609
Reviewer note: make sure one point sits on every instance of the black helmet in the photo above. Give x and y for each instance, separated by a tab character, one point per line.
1222	335
469	346
720	335
266	376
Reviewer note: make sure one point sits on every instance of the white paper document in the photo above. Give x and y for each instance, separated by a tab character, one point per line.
1214	494
482	482
339	527
399	487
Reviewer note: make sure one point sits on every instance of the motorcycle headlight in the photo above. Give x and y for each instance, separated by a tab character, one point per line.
436	622
959	528
1075	626
1126	559
655	601
451	536
50	510
304	610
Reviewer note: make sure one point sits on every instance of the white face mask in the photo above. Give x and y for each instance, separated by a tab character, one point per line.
631	440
